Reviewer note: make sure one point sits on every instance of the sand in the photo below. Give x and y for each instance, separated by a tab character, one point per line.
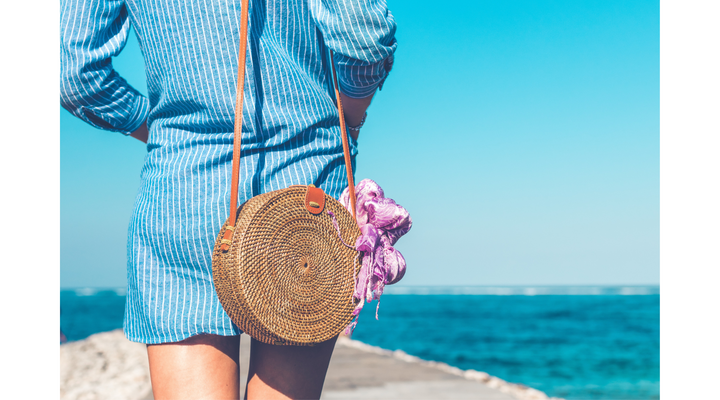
107	366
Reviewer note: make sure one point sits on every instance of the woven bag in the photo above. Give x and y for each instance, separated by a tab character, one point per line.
280	268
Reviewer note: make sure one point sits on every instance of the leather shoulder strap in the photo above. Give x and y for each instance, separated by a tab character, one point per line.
239	111
346	146
227	235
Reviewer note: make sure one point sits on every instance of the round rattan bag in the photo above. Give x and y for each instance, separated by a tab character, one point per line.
287	277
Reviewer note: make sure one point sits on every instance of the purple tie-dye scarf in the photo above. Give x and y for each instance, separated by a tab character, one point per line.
382	222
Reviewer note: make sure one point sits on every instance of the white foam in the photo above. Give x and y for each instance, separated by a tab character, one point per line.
524	290
85	291
121	291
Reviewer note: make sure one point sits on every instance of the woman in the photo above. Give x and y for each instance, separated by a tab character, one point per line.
290	136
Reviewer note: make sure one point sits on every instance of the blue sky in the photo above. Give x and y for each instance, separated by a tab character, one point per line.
522	136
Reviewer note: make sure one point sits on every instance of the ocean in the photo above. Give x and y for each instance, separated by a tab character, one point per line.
570	342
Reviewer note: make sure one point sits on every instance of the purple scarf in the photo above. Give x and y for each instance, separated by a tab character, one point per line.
382	222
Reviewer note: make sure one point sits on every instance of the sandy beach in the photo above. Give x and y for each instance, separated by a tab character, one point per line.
107	366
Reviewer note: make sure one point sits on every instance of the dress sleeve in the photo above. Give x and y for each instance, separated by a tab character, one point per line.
91	32
361	33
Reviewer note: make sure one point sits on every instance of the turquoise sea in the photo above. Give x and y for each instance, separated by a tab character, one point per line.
570	342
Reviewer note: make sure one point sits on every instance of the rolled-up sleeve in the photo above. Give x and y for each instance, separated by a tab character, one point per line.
91	33
361	34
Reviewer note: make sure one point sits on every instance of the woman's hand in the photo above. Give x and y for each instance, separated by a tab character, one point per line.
354	110
354	134
141	133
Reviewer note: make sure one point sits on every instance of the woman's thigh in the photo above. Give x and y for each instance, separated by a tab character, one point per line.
200	367
287	372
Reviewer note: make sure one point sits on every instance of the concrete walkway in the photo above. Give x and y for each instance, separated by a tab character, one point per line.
356	373
109	367
359	371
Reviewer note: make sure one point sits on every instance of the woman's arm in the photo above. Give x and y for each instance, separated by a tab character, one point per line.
354	110
361	34
91	33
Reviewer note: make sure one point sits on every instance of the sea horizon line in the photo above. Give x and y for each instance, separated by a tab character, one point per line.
477	290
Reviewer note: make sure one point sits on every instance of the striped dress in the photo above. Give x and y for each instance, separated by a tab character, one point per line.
290	132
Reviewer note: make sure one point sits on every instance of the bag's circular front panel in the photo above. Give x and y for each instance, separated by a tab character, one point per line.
297	275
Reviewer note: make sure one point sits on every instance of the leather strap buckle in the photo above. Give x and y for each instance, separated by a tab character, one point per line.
314	200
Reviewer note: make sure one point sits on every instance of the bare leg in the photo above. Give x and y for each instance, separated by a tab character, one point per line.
287	372
200	367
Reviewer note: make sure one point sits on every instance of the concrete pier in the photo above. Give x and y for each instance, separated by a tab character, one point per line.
109	367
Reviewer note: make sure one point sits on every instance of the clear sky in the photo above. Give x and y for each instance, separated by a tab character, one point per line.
522	136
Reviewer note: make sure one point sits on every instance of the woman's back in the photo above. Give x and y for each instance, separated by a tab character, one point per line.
291	135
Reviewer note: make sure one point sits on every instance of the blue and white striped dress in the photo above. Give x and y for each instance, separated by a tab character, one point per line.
290	134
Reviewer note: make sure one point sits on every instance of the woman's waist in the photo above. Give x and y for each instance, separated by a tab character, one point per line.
206	174
260	128
175	150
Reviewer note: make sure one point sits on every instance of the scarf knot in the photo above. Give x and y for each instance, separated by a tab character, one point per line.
382	222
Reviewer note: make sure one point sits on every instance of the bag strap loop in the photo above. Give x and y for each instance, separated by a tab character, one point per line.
227	236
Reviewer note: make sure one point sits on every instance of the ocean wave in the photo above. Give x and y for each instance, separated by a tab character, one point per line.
90	291
525	290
